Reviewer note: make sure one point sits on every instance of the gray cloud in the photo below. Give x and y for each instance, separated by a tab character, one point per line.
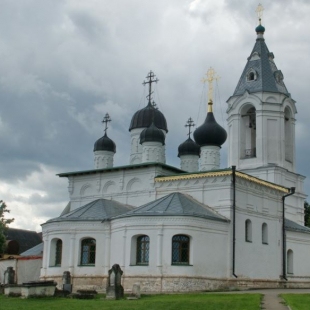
65	64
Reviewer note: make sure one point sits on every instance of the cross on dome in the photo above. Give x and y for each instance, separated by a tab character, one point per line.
189	124
211	76
151	79
106	120
259	10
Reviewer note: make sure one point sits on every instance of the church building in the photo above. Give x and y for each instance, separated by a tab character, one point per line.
197	226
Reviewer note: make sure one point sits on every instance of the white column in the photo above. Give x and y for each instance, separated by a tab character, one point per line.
107	245
45	255
124	248
72	254
159	247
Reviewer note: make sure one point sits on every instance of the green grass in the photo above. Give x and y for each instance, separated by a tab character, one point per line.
147	302
297	301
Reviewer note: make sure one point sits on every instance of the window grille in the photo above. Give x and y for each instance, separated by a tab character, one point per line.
143	250
88	252
180	250
58	253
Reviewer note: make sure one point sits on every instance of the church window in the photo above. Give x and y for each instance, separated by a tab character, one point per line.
288	137
251	76
143	250
248	231
264	233
58	253
180	250
88	251
248	132
55	252
289	261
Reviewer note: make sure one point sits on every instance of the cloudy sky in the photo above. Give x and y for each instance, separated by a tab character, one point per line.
64	64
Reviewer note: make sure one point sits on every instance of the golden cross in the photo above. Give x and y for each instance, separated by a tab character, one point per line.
211	76
259	10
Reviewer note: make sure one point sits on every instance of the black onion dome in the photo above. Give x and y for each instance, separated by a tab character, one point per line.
189	147
105	144
210	132
144	117
152	134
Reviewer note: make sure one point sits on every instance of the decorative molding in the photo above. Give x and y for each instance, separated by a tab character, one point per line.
219	174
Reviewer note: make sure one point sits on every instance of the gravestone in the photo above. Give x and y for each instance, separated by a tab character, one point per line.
9	276
66	282
114	283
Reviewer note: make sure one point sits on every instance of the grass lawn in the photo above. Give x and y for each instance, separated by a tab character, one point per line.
147	302
297	301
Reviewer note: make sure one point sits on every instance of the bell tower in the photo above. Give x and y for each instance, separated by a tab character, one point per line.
261	121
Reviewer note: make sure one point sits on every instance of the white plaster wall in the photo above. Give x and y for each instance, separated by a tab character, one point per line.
132	186
259	205
208	245
189	163
299	243
210	158
153	152
71	234
103	159
270	132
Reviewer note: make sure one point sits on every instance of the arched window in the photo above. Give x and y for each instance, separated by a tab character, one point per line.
143	250
180	250
289	261
58	253
248	132
248	231
264	233
55	252
88	251
288	135
252	75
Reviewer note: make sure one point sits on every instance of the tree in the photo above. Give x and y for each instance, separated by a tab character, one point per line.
307	213
4	222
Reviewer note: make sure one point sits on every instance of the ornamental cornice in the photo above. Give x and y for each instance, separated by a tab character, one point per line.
219	174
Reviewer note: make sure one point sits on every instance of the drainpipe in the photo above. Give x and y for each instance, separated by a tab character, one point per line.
292	191
234	220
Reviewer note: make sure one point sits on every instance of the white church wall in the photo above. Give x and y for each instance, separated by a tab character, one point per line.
259	205
211	191
129	186
299	243
208	246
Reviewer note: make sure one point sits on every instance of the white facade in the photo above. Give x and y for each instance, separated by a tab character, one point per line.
239	243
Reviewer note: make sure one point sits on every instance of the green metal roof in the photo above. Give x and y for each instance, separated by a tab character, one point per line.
127	167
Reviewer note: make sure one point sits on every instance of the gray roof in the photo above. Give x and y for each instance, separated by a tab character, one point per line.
97	210
35	251
175	204
25	238
269	78
292	226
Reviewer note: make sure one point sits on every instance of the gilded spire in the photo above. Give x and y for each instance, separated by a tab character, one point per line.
211	76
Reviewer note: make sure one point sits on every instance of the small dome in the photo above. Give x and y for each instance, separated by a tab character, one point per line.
210	132
105	144
152	134
189	147
143	118
260	29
